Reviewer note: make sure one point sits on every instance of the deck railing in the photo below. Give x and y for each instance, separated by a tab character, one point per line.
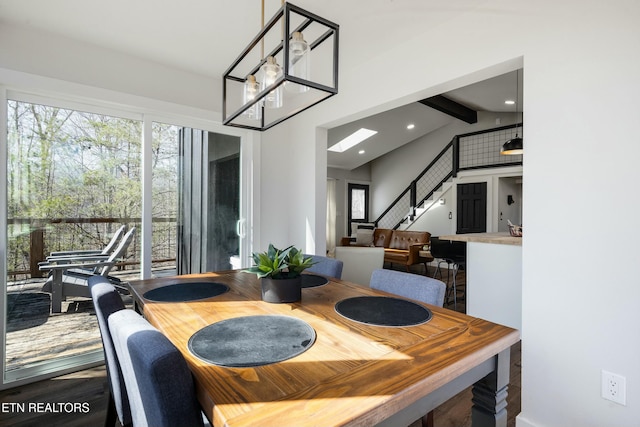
32	239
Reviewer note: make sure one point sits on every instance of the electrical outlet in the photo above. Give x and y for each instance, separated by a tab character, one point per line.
614	387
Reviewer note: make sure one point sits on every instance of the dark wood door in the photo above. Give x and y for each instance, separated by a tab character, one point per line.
472	208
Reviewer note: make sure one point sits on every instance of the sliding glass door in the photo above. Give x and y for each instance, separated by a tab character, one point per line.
196	186
73	179
73	175
210	224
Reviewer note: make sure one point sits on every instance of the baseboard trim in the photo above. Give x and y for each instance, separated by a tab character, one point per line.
523	422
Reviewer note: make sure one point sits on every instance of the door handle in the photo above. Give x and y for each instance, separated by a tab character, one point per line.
241	228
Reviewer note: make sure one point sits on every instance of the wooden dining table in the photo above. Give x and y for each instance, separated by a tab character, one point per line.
354	374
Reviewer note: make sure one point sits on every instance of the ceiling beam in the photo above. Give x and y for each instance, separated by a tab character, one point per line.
452	108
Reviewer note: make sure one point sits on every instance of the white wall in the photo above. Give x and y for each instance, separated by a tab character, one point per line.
580	89
78	62
436	220
581	79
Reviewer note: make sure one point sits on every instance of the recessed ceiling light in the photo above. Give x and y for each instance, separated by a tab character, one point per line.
410	126
361	152
354	139
509	102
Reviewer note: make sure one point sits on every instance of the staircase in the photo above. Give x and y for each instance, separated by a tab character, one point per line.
427	204
476	150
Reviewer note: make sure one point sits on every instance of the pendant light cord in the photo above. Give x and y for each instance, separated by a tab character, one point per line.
261	28
517	98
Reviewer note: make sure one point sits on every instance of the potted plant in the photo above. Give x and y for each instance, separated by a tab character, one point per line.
279	272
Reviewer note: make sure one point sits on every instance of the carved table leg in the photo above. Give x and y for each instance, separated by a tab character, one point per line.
490	395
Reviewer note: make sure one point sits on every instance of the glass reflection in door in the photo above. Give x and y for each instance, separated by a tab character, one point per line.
209	202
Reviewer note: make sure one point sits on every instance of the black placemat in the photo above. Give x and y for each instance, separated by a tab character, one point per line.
188	291
313	280
383	311
252	340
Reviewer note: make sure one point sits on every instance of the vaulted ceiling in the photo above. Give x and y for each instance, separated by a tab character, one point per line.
205	36
487	96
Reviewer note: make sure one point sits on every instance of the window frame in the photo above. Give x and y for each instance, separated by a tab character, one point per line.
148	112
351	186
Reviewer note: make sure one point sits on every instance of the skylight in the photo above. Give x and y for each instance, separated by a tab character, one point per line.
354	139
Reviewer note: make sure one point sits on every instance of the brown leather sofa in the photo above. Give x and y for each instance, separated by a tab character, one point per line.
400	246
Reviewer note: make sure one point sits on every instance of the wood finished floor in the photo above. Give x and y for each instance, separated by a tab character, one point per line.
90	387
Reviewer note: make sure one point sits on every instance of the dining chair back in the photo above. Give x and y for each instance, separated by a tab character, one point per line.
409	285
326	266
106	301
419	288
159	383
359	262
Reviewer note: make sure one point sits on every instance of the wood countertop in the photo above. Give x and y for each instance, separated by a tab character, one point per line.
503	238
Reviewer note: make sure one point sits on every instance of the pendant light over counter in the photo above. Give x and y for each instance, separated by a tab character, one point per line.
514	145
261	90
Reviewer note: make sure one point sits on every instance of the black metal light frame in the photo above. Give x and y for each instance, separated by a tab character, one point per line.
231	118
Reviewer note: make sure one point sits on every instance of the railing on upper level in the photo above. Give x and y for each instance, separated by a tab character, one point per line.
33	239
475	150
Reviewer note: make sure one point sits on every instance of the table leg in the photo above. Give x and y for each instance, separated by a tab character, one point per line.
490	395
56	291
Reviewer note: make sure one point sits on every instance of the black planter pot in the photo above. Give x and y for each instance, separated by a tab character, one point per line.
281	290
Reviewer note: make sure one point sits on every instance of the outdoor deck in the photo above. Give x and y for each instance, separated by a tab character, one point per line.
36	335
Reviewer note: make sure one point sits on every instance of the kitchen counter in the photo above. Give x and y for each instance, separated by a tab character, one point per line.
503	238
494	276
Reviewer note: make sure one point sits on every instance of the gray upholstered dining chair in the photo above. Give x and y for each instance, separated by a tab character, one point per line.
106	301
326	266
159	383
409	285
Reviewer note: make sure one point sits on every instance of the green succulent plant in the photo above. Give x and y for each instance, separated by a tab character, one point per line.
280	263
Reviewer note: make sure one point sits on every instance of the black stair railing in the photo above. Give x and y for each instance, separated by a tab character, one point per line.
420	189
475	150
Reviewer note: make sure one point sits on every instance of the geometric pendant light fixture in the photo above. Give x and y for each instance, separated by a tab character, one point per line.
274	78
514	145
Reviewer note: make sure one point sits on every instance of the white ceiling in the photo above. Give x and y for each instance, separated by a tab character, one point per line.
488	95
205	36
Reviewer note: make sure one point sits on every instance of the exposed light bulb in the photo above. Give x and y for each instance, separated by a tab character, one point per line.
251	89
271	72
299	61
